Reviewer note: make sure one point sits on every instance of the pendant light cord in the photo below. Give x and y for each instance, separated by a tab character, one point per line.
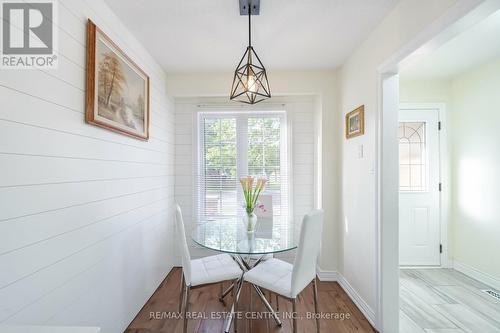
249	24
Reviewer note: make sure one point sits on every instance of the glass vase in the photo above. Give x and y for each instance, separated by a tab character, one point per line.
251	221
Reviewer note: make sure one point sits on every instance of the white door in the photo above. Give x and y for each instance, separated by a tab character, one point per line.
419	189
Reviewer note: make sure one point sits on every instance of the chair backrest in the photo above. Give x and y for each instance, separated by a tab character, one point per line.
181	238
304	267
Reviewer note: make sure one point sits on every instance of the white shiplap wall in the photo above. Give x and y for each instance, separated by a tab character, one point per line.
85	213
300	113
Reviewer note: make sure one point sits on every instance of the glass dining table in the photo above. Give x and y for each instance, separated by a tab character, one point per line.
229	235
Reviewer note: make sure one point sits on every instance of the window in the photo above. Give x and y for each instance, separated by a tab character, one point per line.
412	156
234	145
219	167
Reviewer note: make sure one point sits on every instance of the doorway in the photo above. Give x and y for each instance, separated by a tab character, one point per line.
447	292
419	187
387	183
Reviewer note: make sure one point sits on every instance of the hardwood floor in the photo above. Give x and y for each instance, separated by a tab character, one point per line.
204	301
445	301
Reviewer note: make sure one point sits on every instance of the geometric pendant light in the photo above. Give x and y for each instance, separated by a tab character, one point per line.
250	84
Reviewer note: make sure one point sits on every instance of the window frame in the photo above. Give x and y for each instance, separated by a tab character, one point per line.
241	118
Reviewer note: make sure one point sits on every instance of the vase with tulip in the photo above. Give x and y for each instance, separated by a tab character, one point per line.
251	194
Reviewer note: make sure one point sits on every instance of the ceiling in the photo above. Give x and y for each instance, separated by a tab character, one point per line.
203	35
475	46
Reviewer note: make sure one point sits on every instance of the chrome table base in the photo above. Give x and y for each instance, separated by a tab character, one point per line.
246	265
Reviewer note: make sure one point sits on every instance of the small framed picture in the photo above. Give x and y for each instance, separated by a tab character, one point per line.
355	122
117	89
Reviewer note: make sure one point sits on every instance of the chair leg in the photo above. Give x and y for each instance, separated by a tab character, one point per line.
250	321
315	290
235	302
277	303
294	315
233	294
181	294
186	308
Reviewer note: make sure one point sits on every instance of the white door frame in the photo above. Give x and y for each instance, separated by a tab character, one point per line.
457	19
444	179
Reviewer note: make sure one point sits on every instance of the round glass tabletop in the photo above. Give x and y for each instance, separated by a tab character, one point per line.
229	235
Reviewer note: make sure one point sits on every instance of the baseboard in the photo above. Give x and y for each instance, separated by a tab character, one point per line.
357	299
324	275
367	311
421	267
474	273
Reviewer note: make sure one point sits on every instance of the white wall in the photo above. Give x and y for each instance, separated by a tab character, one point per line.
476	160
323	86
359	86
85	214
424	91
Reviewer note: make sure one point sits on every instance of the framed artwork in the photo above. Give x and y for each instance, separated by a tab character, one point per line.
117	89
355	122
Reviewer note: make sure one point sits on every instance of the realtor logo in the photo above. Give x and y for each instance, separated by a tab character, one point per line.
28	34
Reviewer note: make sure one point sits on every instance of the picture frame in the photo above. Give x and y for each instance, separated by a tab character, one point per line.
355	122
117	89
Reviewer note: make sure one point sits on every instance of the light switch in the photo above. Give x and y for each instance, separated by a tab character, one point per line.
360	151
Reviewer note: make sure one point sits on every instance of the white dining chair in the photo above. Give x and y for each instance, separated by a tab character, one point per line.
201	272
289	280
